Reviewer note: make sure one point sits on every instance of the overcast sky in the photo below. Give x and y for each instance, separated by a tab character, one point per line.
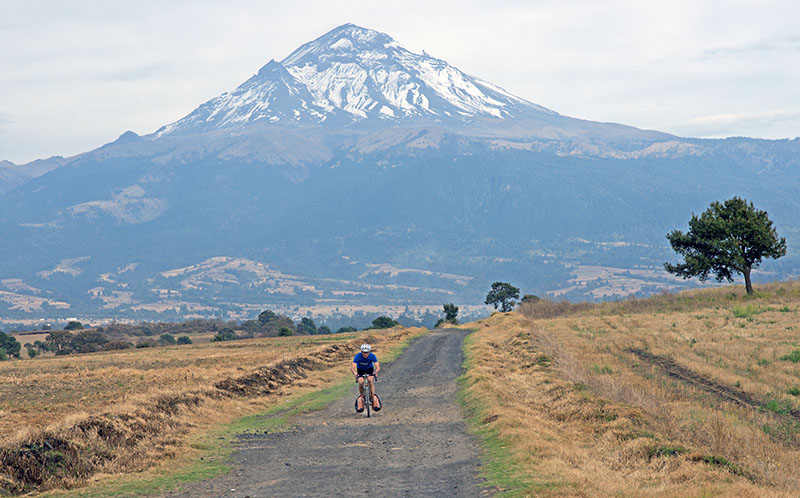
76	74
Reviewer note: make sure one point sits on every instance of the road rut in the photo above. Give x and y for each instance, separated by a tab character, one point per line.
417	445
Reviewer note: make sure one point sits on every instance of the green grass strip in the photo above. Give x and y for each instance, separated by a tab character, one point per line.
499	468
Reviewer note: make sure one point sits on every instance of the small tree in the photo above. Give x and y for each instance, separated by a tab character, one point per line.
87	341
530	298
727	238
343	330
323	329
167	338
450	313
184	339
117	345
74	326
502	294
267	316
226	334
384	322
306	326
42	347
285	332
148	342
9	344
59	341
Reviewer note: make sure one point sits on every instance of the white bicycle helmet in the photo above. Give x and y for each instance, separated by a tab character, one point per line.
366	348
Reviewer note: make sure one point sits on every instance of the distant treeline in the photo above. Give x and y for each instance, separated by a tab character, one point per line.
76	339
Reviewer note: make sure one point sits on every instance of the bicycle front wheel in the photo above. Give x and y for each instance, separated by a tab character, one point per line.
367	397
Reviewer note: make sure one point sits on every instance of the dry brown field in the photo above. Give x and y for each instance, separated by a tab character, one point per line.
70	419
691	394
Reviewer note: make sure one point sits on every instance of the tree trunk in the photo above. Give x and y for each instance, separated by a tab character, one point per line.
748	285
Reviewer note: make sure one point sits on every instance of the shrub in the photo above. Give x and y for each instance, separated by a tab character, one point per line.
184	339
87	341
343	330
226	334
167	338
285	332
384	322
306	326
268	324
117	345
530	298
602	370
746	311
147	343
778	406
794	356
794	391
74	326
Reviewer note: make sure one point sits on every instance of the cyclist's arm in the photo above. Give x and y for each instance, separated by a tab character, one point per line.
377	367
353	368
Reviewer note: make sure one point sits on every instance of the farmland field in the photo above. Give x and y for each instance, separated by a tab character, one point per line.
692	394
72	418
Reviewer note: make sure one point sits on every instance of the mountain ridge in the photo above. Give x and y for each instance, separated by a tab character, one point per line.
560	206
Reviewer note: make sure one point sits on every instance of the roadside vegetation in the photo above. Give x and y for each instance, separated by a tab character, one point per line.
690	394
144	410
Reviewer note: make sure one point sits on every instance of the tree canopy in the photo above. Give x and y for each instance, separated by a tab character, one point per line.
502	294
384	322
450	313
727	238
9	344
306	326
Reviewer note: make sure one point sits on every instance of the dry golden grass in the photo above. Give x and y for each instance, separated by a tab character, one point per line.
70	418
678	395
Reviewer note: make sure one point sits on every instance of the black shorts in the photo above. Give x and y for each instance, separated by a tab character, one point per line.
367	371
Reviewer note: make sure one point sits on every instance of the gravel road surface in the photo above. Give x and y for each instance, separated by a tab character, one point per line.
416	446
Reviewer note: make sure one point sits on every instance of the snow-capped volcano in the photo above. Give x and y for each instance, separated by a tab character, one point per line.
353	74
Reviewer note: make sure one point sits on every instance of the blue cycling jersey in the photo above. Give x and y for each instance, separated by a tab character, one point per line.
364	363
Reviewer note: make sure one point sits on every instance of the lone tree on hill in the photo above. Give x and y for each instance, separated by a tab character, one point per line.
727	238
502	294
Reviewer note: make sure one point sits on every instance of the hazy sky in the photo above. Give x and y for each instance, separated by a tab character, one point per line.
77	74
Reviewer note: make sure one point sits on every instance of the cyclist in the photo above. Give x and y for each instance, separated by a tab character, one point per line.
366	362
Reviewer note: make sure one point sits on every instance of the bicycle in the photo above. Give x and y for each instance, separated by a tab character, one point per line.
367	392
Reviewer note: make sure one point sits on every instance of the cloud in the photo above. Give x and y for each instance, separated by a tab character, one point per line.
731	124
755	48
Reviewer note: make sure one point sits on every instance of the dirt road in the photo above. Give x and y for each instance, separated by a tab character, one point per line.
416	446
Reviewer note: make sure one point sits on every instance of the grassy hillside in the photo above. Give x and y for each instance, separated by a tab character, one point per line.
68	419
692	394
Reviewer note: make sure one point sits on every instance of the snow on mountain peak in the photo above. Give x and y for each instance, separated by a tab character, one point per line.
352	74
